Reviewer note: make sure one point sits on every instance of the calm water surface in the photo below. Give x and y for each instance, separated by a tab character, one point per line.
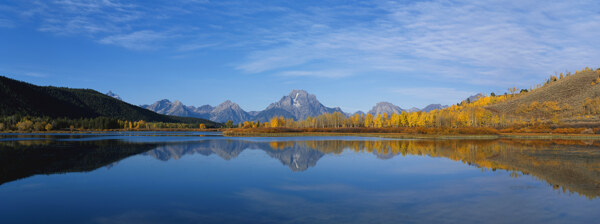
207	178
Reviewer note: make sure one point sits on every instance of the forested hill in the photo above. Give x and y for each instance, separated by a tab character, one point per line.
22	98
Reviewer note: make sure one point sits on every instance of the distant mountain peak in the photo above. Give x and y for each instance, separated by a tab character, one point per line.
360	112
385	107
413	109
298	92
299	104
384	103
227	104
431	107
114	95
229	111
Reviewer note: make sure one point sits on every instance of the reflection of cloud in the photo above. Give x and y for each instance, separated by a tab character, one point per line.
469	199
319	187
441	166
143	217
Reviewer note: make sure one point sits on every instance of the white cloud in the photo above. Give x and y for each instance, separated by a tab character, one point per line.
5	23
494	42
35	74
139	40
196	46
87	17
491	42
319	73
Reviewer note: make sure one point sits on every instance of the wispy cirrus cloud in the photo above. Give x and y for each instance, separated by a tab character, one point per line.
138	40
5	23
70	17
131	25
483	42
35	74
318	73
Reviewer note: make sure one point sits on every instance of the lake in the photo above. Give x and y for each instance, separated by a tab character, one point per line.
196	177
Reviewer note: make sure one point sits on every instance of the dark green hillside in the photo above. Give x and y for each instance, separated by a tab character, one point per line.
22	98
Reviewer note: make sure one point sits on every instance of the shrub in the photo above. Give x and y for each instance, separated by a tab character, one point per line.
25	125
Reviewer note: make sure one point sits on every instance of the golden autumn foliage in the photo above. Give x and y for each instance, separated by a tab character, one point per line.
544	108
25	125
592	106
48	127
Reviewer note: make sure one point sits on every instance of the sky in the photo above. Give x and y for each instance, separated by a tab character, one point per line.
350	54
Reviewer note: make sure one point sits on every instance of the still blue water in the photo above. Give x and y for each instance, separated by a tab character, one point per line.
207	178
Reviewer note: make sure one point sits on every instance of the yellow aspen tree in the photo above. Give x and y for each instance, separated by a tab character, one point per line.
378	121
404	119
274	122
369	120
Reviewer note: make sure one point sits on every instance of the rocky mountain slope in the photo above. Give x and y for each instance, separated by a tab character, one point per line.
300	104
385	107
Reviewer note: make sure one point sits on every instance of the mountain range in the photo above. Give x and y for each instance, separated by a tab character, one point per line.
298	105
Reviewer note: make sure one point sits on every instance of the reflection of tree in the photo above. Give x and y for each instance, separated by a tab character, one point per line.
565	164
22	159
568	165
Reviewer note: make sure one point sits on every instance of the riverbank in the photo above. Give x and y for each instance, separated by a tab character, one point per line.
471	133
110	130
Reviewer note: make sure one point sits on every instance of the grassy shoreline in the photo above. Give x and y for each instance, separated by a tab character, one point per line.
438	135
107	131
233	133
425	136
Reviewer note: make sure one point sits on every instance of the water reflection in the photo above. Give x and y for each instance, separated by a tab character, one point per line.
568	166
21	159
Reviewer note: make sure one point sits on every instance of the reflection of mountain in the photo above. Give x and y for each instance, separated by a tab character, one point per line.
18	160
566	165
297	157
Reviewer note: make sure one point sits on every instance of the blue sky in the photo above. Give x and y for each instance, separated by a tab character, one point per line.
351	54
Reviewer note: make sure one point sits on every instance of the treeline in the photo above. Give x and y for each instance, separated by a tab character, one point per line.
40	124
